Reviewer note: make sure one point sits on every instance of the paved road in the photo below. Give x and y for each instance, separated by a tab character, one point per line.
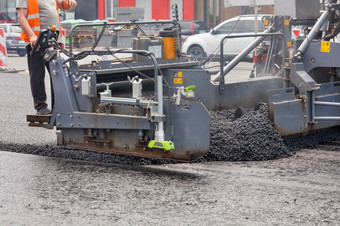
300	190
34	190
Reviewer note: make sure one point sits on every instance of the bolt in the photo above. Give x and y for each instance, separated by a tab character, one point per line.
71	116
59	124
71	125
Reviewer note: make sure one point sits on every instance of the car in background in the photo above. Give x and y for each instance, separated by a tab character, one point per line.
203	45
192	27
13	39
4	18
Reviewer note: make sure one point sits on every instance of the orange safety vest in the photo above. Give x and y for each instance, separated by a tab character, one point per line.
33	18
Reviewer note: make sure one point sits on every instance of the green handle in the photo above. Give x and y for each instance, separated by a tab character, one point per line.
190	88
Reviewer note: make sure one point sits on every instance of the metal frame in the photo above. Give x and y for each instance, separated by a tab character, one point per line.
225	70
114	24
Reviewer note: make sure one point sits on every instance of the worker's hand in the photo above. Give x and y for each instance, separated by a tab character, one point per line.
33	41
66	4
73	3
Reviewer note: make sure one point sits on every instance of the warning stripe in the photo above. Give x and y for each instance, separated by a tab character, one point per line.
2	42
3	52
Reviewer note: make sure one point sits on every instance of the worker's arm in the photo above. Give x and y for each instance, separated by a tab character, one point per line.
73	3
22	19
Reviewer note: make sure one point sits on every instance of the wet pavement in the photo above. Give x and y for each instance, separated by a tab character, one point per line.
302	189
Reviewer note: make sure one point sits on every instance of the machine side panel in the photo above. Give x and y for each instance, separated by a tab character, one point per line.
322	54
289	116
64	98
191	128
243	94
101	121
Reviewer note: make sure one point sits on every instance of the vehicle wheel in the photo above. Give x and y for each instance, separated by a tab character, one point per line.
21	52
196	51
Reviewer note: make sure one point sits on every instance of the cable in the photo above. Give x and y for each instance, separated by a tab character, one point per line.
138	72
335	33
133	23
100	36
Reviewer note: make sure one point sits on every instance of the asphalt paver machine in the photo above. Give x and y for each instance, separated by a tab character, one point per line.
156	103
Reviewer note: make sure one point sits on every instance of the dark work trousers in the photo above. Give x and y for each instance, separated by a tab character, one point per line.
36	67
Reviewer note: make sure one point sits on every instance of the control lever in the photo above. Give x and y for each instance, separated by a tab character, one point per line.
44	41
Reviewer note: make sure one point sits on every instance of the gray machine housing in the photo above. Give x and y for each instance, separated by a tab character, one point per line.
303	9
95	107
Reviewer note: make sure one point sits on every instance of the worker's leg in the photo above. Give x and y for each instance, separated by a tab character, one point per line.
36	66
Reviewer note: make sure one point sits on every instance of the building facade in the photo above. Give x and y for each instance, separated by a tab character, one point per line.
211	11
153	9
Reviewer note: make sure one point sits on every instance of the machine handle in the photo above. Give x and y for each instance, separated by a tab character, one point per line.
190	88
43	40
